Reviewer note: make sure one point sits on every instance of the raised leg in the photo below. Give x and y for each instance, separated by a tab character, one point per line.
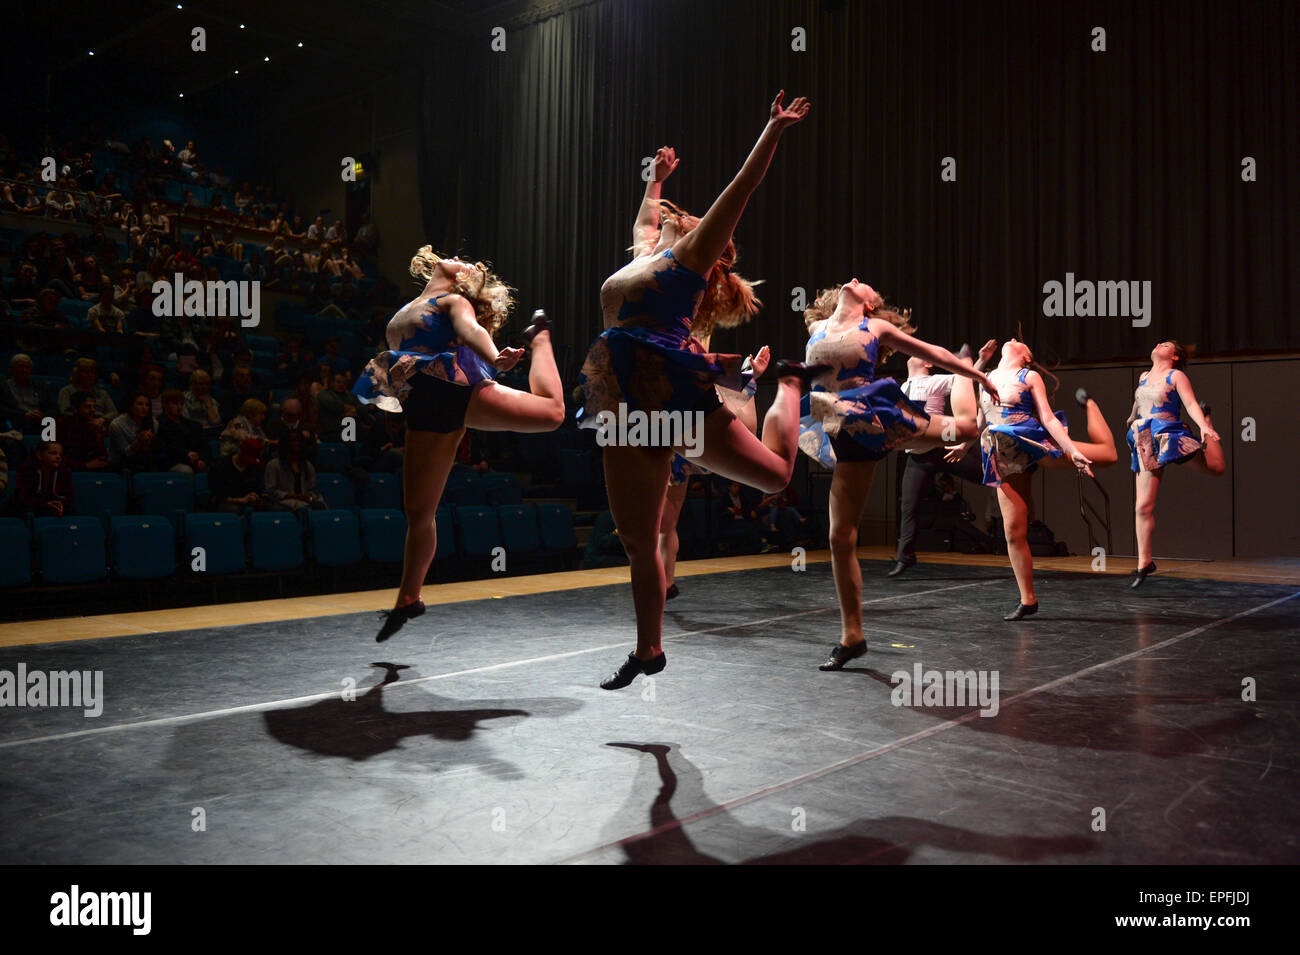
729	449
1210	461
495	407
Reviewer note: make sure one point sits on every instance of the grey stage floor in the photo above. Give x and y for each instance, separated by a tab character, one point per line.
491	741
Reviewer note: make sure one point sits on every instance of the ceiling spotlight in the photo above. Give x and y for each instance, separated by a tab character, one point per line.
241	26
178	6
92	52
236	72
299	44
181	95
266	59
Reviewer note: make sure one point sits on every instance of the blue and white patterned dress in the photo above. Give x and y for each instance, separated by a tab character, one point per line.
426	333
648	360
1157	435
1013	440
846	403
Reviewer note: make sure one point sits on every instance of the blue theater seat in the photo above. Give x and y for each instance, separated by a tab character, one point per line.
142	546
15	552
275	539
383	532
100	494
519	529
337	490
383	491
222	538
71	550
480	529
556	524
336	537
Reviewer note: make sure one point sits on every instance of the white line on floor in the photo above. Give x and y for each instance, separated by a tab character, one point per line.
336	694
914	737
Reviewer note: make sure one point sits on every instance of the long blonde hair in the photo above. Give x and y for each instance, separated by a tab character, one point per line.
481	287
729	300
827	300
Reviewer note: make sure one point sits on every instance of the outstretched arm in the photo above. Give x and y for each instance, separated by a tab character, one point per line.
1053	426
476	337
699	250
647	218
1188	395
934	354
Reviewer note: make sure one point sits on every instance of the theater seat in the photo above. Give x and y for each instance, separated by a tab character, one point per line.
275	540
222	538
336	538
71	551
383	531
142	547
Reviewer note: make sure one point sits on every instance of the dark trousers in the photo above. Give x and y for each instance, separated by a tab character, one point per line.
918	475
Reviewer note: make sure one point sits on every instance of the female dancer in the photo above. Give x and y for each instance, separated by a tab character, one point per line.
439	370
1157	437
645	360
1017	433
852	421
646	232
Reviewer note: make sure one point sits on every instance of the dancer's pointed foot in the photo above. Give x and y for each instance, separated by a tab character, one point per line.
396	619
899	567
840	655
1082	397
1022	611
672	592
797	369
1141	574
540	324
631	668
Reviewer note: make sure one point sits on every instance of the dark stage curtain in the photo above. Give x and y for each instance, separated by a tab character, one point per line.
1116	165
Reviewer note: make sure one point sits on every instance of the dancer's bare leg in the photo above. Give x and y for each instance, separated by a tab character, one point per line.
1013	496
495	407
1210	460
1099	448
635	479
428	460
668	543
729	449
850	486
1148	489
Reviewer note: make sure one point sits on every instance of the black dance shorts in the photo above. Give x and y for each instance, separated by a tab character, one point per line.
435	404
847	449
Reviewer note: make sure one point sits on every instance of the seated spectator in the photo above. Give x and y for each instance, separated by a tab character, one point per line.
335	404
292	421
307	401
782	526
242	387
44	484
336	233
294	360
107	317
736	516
181	446
291	478
82	434
124	290
25	288
23	402
200	407
367	237
141	320
315	232
131	437
297	230
348	265
46	318
254	270
59	203
238	481
246	424
335	360
152	388
383	448
85	377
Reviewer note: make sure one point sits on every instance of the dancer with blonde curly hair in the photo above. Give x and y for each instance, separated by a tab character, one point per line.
851	421
439	369
645	362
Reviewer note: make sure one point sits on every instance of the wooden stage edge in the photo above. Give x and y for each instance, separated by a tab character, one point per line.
1280	571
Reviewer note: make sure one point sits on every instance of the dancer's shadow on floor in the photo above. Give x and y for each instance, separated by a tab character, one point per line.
1106	722
362	728
888	840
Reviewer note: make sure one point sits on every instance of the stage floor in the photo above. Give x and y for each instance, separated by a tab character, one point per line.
479	734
